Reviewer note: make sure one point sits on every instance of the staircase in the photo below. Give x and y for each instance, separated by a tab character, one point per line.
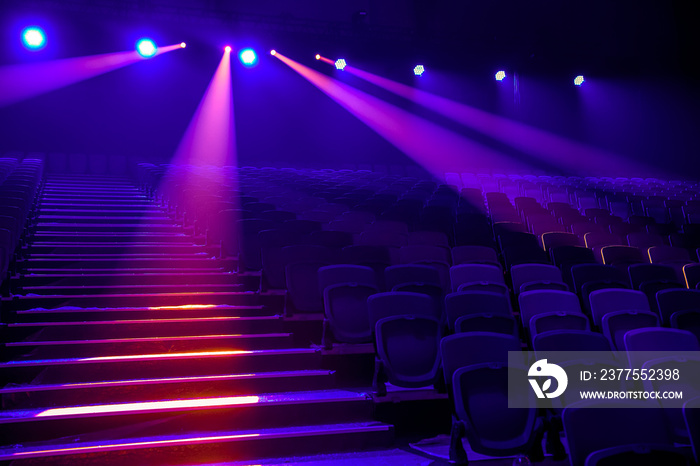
127	340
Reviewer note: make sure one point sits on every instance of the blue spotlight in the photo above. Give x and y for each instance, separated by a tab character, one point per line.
500	75
34	38
146	48
578	80
340	64
419	70
248	57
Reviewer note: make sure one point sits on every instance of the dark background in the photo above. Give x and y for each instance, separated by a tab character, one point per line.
639	58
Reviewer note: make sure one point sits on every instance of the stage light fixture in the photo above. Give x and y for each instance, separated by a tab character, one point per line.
578	80
227	48
248	57
273	52
183	45
318	56
146	48
500	75
34	38
419	70
340	64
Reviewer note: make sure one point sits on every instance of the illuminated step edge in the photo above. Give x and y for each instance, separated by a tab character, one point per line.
166	406
155	357
19	453
164	380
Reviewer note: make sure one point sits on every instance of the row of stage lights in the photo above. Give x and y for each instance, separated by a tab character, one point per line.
34	38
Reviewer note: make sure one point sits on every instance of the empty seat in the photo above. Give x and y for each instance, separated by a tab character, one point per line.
248	244
330	239
640	273
557	239
475	302
273	264
396	303
408	348
482	412
566	257
691	273
687	320
675	300
487	322
543	301
558	320
428	238
572	340
585	273
474	255
645	240
596	425
410	273
612	300
524	274
640	341
471	273
621	256
615	324
301	275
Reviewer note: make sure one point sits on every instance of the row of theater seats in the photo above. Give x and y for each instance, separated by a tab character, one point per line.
19	185
444	279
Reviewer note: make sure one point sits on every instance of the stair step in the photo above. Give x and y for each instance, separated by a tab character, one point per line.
56	199
131	390
157	365
72	314
124	262
129	248
67	238
127	300
114	279
139	218
110	227
162	325
247	411
216	446
41	348
68	206
100	213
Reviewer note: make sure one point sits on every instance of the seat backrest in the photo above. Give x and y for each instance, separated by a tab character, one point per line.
395	303
463	303
481	398
410	273
673	300
465	349
571	340
345	273
409	348
593	425
487	322
525	273
474	255
615	299
616	324
657	339
640	273
539	301
584	273
467	273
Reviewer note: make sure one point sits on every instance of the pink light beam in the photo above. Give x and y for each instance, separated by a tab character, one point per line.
435	148
20	82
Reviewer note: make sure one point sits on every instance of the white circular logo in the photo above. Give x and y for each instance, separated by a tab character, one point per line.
543	369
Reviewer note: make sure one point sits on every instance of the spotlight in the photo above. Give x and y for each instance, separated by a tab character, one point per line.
340	64
183	45
500	75
418	70
248	57
318	56
578	80
33	38
146	48
273	52
227	48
